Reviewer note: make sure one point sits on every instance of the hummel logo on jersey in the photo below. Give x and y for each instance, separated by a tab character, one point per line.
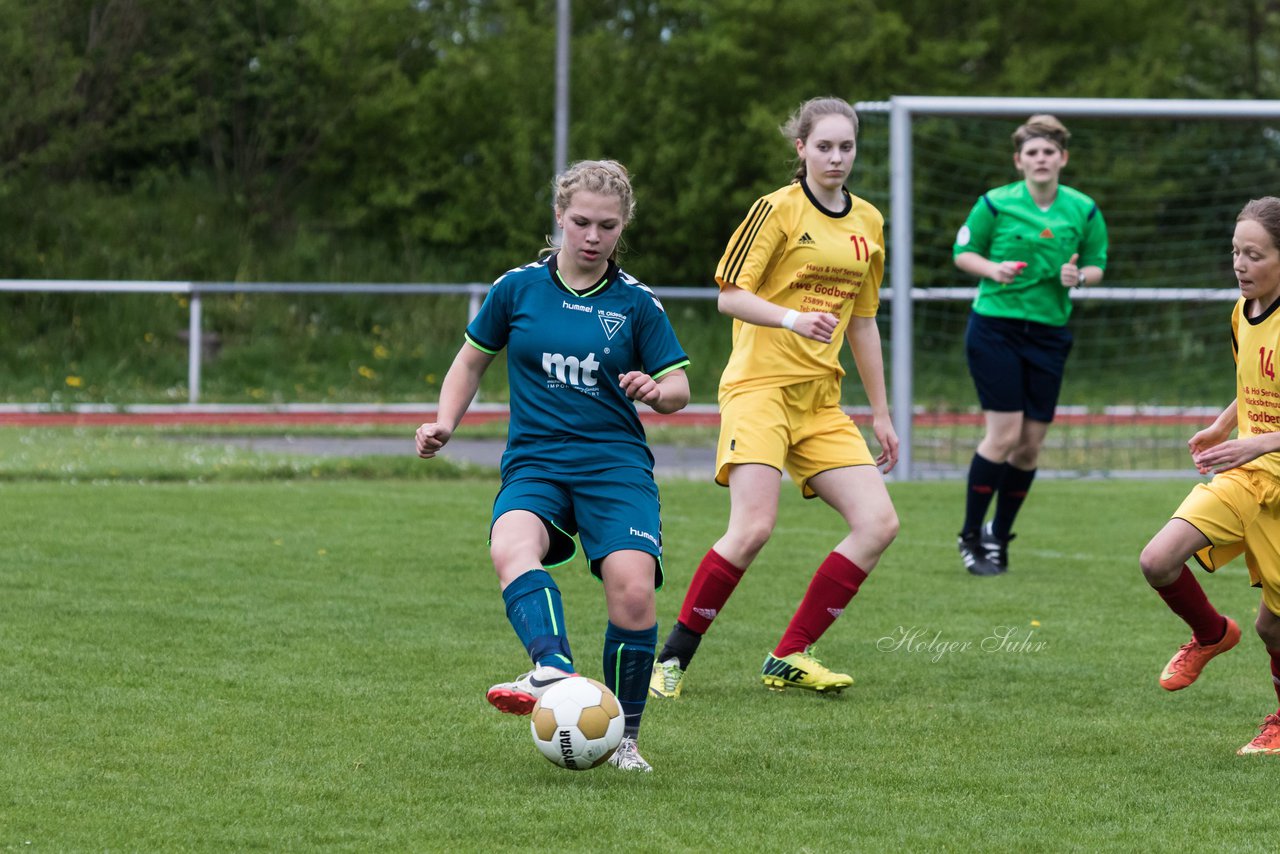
612	322
646	535
570	370
1047	234
706	613
779	667
573	306
806	240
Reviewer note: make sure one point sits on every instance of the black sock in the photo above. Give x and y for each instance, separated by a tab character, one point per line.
1013	491
984	480
681	644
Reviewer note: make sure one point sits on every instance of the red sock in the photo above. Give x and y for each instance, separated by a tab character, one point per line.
1275	670
1186	598
832	588
712	585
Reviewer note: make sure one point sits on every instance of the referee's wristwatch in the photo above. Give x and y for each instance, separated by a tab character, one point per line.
1081	279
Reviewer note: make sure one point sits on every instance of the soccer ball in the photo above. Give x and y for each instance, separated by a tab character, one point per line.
577	724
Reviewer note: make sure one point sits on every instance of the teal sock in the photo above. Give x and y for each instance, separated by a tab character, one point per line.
628	665
537	614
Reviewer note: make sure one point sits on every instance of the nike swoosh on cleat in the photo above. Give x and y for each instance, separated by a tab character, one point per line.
542	683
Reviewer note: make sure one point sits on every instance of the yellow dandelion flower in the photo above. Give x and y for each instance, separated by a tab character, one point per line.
367	372
1035	623
74	381
380	352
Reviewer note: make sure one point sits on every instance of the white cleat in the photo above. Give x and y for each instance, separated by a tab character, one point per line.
520	696
628	758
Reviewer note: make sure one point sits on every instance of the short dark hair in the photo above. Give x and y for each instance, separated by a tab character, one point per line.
1042	126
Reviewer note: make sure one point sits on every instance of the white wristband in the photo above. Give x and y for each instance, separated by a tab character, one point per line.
789	319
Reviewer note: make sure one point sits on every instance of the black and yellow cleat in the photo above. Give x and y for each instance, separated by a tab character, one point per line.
802	670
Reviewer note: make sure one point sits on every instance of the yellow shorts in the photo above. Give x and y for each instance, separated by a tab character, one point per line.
1239	511
799	429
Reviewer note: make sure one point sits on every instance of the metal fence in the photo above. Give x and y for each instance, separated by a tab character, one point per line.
194	291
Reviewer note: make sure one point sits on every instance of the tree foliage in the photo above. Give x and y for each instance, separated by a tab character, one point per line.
276	138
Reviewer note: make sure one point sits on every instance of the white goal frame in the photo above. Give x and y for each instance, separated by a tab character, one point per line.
902	109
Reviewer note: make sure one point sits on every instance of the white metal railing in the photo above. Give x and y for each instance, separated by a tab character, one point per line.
194	291
476	291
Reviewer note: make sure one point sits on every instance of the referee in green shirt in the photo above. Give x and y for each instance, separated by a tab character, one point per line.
1029	243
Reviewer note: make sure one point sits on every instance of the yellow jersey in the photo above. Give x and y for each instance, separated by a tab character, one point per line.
796	254
1254	341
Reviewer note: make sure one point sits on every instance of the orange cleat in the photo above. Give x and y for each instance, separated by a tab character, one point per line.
1268	739
1185	666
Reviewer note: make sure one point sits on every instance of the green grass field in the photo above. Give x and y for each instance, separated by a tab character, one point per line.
291	658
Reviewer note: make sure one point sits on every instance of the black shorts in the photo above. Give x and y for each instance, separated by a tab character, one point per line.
1017	365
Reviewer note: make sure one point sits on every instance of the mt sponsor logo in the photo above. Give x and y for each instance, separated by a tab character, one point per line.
571	370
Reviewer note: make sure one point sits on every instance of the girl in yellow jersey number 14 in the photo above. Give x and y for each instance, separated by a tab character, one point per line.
1239	510
800	272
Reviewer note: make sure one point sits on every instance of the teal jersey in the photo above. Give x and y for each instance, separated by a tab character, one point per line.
565	351
1007	225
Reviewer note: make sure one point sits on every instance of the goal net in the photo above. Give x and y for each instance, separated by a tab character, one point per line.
1152	357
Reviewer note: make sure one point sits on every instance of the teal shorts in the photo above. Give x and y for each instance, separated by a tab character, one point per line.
608	512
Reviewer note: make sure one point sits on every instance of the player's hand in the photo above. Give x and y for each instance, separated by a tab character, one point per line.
1007	271
638	385
888	439
816	325
1206	439
431	438
1070	273
1227	455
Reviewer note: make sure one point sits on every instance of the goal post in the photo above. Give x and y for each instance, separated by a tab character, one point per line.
906	294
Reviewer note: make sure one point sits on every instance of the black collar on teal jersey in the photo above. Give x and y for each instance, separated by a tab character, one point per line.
610	273
848	201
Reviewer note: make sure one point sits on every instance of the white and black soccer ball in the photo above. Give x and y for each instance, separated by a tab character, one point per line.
577	724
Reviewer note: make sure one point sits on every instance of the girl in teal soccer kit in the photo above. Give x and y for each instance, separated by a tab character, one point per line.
1030	243
584	340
